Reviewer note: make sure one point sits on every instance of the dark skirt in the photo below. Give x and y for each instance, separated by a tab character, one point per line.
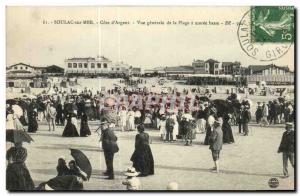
142	159
227	133
70	130
137	120
32	125
84	130
207	136
18	177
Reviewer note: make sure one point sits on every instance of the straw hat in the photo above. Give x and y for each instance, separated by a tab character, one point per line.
289	124
131	172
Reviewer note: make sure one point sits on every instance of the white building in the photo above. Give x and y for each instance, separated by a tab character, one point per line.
22	70
93	66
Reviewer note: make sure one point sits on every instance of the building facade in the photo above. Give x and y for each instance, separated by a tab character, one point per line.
199	67
23	75
267	70
213	67
231	68
94	66
21	70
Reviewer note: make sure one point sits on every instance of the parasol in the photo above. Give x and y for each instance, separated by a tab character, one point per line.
11	101
82	161
17	136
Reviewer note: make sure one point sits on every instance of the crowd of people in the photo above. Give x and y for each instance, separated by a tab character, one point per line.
175	116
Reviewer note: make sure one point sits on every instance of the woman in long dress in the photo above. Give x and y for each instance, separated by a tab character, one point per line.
130	121
191	132
162	127
32	120
176	127
148	120
123	118
227	131
84	126
10	123
17	174
142	157
67	178
70	129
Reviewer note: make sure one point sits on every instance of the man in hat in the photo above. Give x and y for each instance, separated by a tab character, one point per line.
258	113
109	145
246	117
287	147
216	141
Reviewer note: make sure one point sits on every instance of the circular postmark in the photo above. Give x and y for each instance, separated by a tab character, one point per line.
273	183
262	49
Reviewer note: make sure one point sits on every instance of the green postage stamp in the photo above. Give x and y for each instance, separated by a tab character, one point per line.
273	24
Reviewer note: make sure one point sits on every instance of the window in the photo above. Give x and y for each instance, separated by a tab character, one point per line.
99	65
85	65
74	65
16	67
69	65
21	67
92	65
118	69
105	65
80	65
26	67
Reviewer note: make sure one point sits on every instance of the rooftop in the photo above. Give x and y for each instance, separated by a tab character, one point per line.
256	68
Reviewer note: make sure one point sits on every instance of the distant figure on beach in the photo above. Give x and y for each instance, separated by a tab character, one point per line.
84	127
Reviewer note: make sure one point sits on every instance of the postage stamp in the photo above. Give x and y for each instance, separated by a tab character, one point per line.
272	24
266	33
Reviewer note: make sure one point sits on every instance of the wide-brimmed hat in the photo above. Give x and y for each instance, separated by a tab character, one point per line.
289	124
131	172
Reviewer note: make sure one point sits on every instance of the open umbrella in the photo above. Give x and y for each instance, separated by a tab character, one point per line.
11	101
17	136
82	161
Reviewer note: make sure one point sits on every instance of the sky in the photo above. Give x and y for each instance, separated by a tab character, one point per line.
30	41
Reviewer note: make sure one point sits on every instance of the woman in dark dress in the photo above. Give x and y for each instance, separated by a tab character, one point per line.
142	157
62	168
32	120
70	129
84	127
17	174
67	178
59	114
227	131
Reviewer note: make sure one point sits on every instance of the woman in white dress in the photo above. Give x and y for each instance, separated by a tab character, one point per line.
123	118
10	122
130	120
162	127
176	126
148	121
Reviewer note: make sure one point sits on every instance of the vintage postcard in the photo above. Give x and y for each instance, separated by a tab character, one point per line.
131	98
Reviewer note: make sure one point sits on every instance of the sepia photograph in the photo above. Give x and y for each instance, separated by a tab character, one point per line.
150	98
